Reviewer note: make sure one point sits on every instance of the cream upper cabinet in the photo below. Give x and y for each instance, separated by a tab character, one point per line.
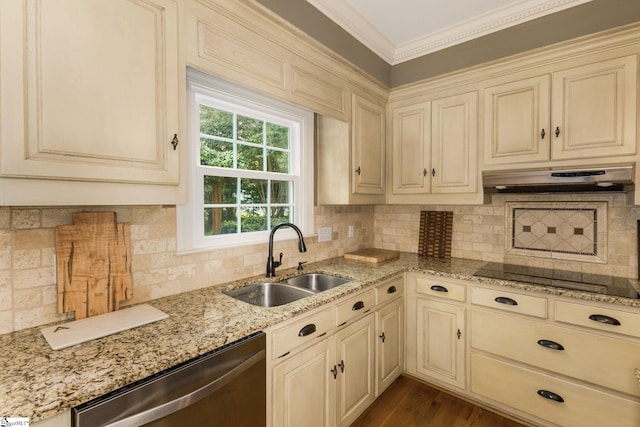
594	110
454	140
434	150
411	149
91	90
516	121
368	135
350	156
579	115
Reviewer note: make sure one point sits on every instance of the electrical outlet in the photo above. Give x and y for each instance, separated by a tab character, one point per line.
350	232
324	234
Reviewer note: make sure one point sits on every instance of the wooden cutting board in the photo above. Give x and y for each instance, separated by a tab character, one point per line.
93	264
372	255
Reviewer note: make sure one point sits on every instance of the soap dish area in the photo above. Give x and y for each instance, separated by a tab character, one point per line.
78	331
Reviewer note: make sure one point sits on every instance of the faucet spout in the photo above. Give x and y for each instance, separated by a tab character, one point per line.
271	263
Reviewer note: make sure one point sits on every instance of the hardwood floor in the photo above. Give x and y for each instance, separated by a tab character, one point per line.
408	403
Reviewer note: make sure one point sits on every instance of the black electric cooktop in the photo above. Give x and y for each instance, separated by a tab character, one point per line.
599	284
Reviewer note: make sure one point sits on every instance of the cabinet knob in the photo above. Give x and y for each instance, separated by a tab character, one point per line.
433	172
557	131
542	134
382	337
458	334
341	365
334	371
424	172
358	170
175	141
392	290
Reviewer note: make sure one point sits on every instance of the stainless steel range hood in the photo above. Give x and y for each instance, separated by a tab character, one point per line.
613	178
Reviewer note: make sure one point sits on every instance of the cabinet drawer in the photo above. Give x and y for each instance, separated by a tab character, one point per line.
355	306
569	352
441	288
301	331
604	319
389	289
519	388
510	301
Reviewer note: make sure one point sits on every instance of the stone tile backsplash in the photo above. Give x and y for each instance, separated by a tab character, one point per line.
485	232
28	292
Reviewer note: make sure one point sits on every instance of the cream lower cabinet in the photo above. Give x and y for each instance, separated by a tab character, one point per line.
436	329
389	344
527	357
303	390
325	368
94	95
354	370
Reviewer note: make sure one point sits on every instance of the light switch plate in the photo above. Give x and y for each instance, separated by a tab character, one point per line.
324	234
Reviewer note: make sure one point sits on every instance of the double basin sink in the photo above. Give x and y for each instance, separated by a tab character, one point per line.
274	294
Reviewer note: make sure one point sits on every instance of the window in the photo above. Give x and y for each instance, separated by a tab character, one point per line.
250	166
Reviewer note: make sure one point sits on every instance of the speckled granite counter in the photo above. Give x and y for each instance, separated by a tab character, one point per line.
38	382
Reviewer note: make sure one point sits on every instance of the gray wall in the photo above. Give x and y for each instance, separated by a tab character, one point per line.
591	17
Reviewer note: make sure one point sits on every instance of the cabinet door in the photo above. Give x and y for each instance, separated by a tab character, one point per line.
516	121
594	110
390	344
440	345
302	390
90	90
368	133
411	149
355	375
454	139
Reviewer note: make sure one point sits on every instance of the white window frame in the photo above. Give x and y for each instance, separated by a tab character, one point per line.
190	216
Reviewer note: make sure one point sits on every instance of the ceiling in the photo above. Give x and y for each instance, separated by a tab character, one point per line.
401	30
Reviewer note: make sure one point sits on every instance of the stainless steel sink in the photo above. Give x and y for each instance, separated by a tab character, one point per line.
317	282
269	294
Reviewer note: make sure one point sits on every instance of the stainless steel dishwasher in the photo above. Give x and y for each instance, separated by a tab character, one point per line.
226	387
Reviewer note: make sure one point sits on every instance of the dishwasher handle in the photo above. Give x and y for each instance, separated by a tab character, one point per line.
175	405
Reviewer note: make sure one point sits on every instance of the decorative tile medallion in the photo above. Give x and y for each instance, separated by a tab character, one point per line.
571	230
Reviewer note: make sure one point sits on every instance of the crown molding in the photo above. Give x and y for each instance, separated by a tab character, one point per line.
343	14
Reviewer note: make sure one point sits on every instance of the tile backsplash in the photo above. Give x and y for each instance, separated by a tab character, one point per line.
485	232
28	290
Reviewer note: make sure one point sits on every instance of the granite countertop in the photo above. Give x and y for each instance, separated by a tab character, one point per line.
38	382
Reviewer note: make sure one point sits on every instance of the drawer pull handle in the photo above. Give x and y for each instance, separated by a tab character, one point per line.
439	288
358	306
307	330
551	344
601	318
551	396
392	290
506	300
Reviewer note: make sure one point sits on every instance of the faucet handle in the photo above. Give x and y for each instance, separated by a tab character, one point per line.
300	265
278	263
